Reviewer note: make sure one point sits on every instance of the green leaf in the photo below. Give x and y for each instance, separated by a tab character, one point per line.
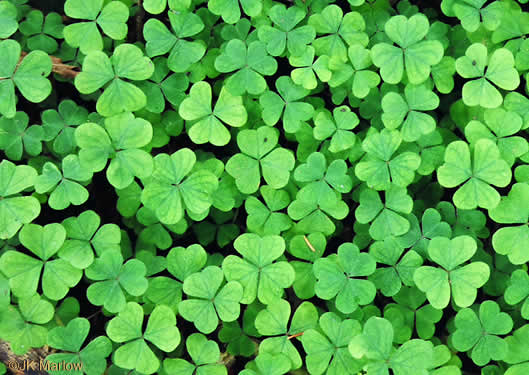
269	364
161	329
155	6
480	334
45	241
111	18
308	68
210	303
183	53
260	156
321	196
91	359
389	280
84	236
285	33
340	277
71	337
470	13
95	146
229	9
167	194
112	278
182	262
13	180
407	112
461	281
258	272
363	78
128	134
415	54
518	290
486	168
238	342
135	353
443	75
30	76
8	19
10	52
500	126
379	168
264	218
500	71
165	291
65	185
327	348
287	103
127	62
343	30
24	271
375	343
386	218
42	29
251	63
207	125
17	325
204	353
510	240
16	137
337	128
58	125
273	321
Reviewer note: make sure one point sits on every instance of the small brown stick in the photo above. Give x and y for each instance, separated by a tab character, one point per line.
67	71
139	21
309	244
295	335
226	359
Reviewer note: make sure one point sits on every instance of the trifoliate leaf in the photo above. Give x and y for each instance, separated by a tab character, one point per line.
453	279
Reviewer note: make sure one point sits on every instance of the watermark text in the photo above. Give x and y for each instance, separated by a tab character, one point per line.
43	365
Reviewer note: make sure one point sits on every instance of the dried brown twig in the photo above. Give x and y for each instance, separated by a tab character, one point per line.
139	21
67	71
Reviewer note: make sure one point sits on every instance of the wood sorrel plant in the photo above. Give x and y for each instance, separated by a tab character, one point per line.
217	187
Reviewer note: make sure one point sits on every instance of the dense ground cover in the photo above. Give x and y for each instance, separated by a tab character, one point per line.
264	187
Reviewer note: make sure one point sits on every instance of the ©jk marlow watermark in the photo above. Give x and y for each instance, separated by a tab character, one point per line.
43	365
